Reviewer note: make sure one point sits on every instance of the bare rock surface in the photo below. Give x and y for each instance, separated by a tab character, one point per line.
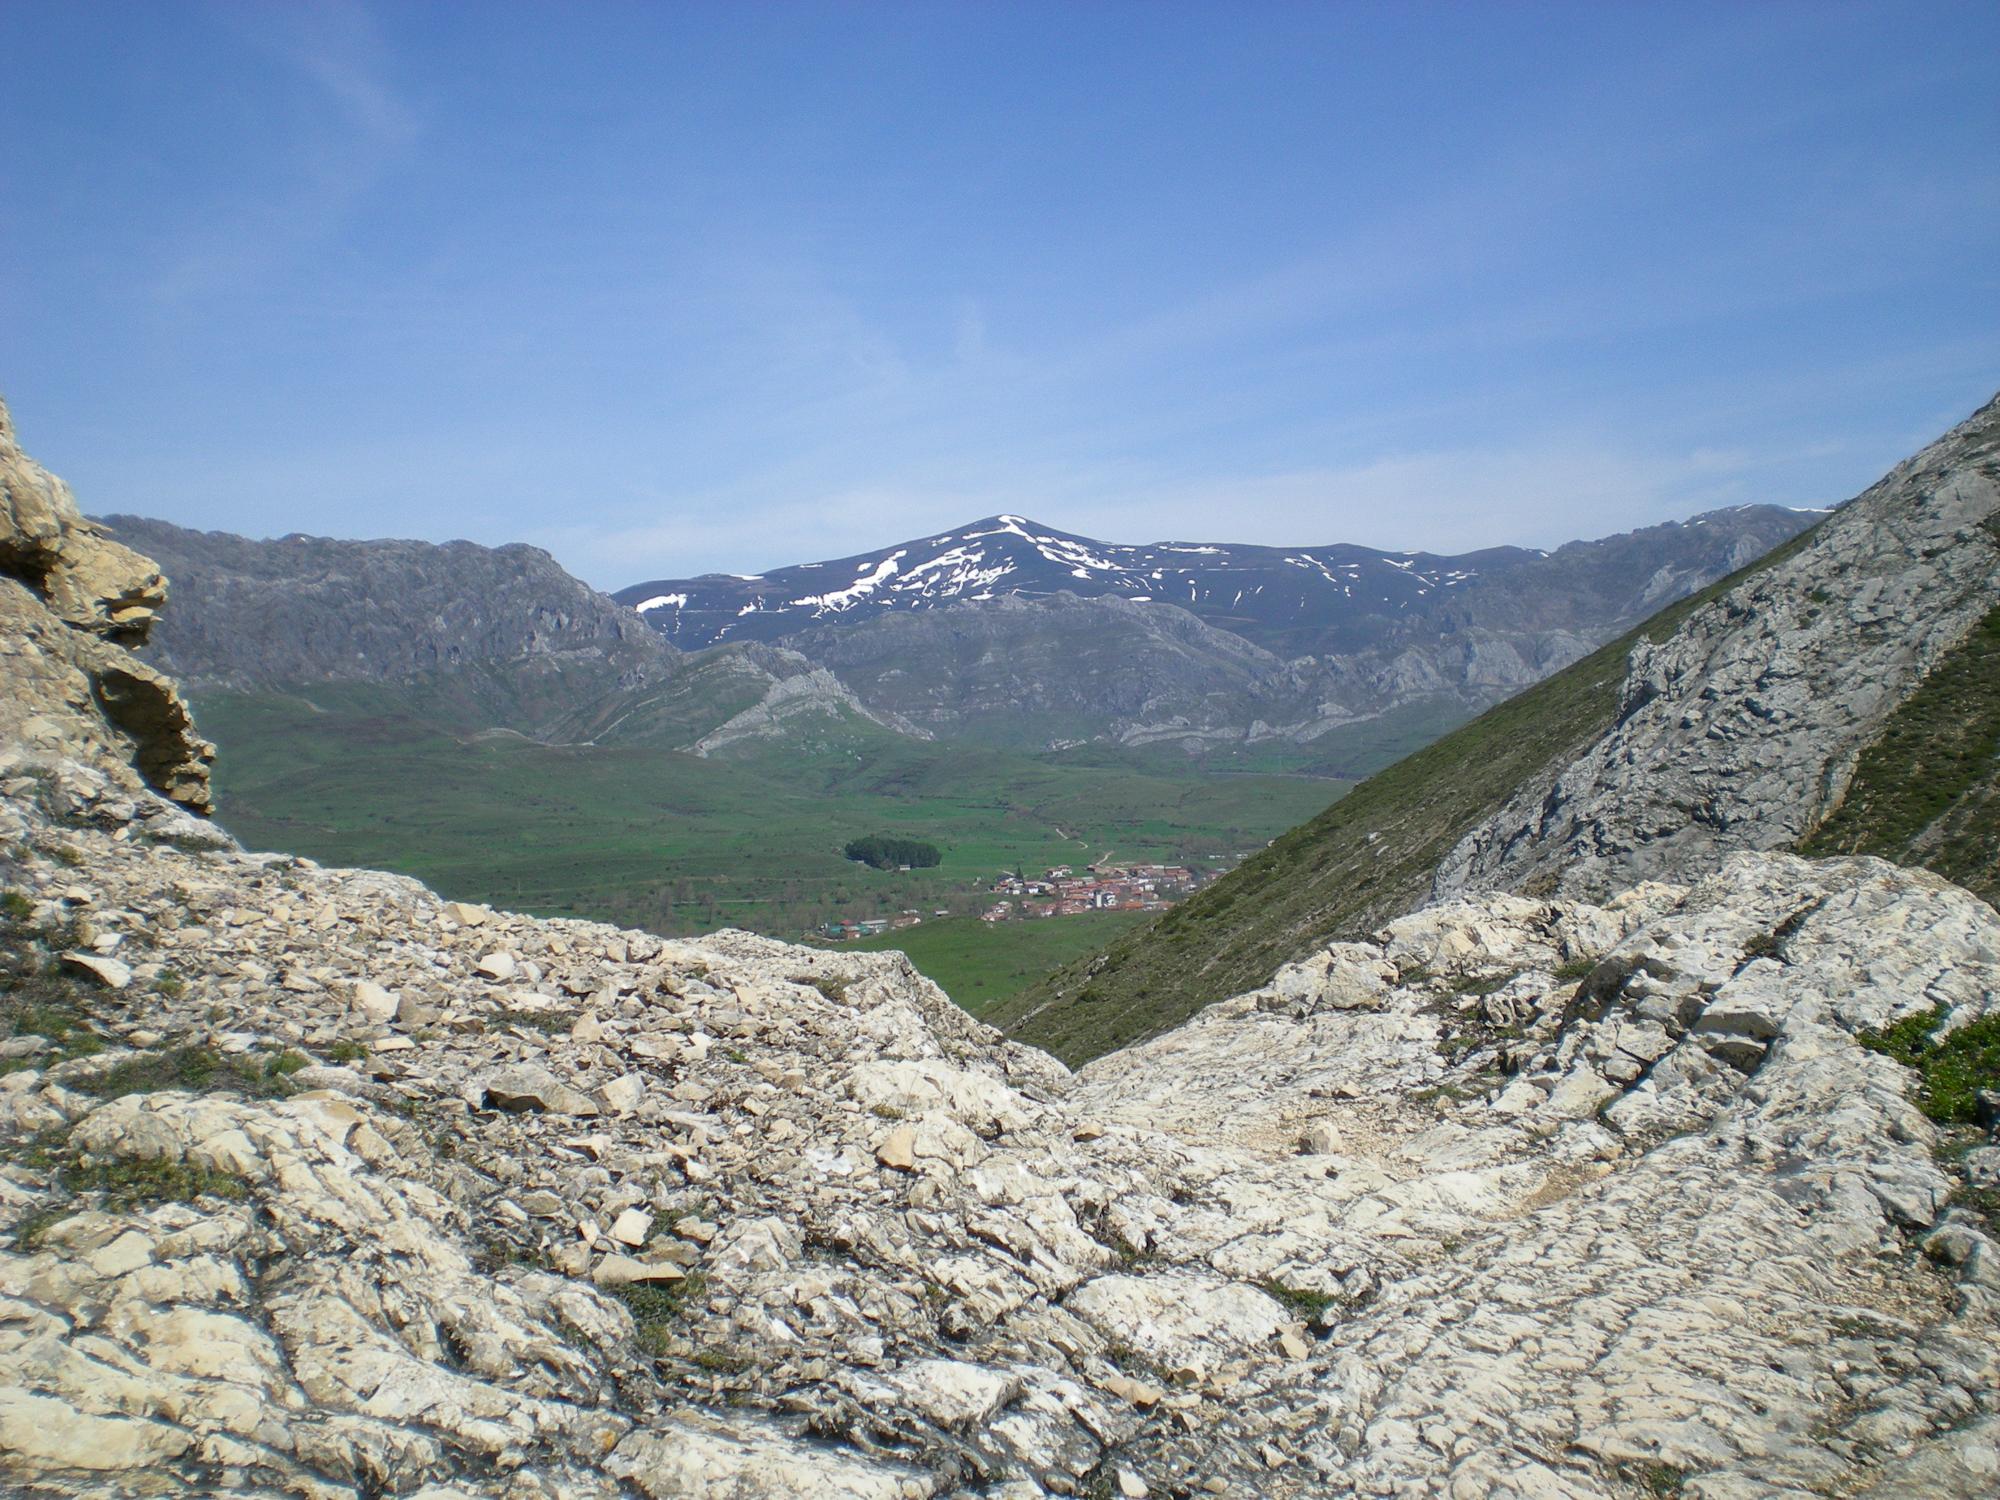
1742	729
735	1218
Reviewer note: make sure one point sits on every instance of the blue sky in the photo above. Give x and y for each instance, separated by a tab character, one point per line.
668	289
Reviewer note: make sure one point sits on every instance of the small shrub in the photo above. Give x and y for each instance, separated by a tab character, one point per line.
16	905
657	1306
170	985
346	1050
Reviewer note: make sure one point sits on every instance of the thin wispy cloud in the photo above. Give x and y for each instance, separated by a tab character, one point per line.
682	289
349	125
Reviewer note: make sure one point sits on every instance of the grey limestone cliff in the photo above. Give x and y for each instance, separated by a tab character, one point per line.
1742	728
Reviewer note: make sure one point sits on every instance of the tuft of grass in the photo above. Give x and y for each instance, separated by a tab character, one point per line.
1655	1478
16	905
38	997
127	1183
121	1185
720	1361
346	1050
550	1021
196	1070
1307	1305
1953	1069
833	988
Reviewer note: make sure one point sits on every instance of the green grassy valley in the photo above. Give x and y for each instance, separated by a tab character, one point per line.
638	834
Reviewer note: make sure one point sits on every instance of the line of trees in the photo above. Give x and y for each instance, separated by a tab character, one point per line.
886	853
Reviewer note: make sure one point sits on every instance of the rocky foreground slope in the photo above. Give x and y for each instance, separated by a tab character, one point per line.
318	1185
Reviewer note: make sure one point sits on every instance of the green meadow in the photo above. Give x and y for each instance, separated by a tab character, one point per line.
642	835
978	963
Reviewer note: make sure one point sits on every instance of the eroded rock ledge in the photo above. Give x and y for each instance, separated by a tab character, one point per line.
72	602
368	1193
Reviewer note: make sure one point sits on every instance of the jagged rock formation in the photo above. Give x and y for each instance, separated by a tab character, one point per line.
71	604
1742	729
505	629
375	1194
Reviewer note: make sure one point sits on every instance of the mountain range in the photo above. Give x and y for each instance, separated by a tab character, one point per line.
1002	634
1339	599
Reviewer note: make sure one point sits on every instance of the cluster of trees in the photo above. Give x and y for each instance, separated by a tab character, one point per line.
886	853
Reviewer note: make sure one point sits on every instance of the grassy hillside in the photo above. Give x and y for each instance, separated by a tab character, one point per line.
1927	792
635	833
979	963
1365	859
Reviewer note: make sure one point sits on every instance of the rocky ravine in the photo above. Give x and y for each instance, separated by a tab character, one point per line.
540	1208
315	1185
1742	729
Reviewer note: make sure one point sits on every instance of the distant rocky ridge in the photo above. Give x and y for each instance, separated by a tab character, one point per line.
1010	633
539	650
312	1183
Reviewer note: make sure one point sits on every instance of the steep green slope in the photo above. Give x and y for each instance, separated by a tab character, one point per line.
1927	791
1365	859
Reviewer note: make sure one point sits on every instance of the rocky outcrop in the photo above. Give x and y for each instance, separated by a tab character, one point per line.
376	1194
72	604
1741	730
798	691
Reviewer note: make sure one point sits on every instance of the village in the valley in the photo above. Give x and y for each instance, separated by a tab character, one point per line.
1059	892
